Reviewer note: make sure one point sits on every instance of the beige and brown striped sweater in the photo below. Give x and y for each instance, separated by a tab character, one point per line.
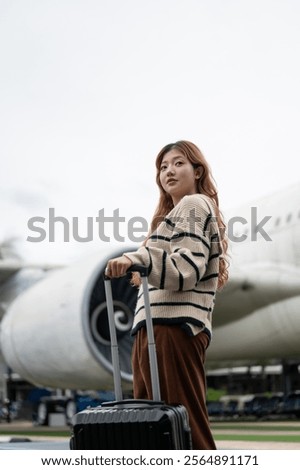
183	260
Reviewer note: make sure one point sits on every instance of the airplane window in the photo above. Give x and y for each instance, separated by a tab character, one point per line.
277	221
289	218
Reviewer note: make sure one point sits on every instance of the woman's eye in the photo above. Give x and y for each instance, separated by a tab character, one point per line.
162	168
179	163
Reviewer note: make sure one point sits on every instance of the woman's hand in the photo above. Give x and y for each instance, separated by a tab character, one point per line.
117	267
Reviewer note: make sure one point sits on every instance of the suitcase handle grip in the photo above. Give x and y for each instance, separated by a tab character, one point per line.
143	270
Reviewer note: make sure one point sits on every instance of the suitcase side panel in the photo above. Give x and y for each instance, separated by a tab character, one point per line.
162	427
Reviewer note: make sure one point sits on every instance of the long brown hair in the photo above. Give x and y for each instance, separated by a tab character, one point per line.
206	186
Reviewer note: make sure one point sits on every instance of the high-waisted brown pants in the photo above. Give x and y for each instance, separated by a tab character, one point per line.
181	373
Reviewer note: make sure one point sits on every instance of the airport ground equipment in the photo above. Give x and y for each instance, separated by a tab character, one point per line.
132	424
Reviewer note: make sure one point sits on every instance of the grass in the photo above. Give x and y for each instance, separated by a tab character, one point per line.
254	427
264	432
217	436
36	432
257	437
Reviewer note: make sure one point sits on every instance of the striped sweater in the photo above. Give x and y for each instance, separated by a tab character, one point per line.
183	260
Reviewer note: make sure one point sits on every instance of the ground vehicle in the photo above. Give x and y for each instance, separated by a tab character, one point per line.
290	405
67	406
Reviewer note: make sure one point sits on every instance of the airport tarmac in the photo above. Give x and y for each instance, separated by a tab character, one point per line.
24	435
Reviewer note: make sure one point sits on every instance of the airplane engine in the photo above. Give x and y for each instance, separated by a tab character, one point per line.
56	333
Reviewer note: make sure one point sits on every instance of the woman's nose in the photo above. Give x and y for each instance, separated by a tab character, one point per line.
170	171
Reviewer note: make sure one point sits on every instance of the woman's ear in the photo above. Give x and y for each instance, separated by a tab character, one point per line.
198	172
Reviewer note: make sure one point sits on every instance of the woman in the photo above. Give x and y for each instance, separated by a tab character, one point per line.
185	252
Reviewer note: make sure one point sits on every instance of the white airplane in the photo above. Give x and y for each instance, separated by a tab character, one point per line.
55	334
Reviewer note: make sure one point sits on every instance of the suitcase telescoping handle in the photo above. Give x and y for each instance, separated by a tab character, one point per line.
143	270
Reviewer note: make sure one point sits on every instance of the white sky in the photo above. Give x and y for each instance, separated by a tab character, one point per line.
91	90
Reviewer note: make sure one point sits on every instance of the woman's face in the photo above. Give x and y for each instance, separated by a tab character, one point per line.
177	176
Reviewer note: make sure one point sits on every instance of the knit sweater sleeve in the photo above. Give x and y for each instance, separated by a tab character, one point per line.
177	253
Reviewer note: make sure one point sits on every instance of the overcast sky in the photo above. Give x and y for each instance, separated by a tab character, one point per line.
91	90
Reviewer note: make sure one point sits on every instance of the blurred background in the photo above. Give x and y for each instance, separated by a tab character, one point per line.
91	90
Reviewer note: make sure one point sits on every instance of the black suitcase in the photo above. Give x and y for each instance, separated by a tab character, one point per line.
132	424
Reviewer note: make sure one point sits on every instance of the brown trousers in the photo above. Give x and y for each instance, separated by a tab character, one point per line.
181	373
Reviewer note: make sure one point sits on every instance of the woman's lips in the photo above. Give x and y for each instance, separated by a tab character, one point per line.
171	180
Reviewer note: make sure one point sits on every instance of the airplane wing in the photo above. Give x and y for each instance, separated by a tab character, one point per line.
253	287
8	268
